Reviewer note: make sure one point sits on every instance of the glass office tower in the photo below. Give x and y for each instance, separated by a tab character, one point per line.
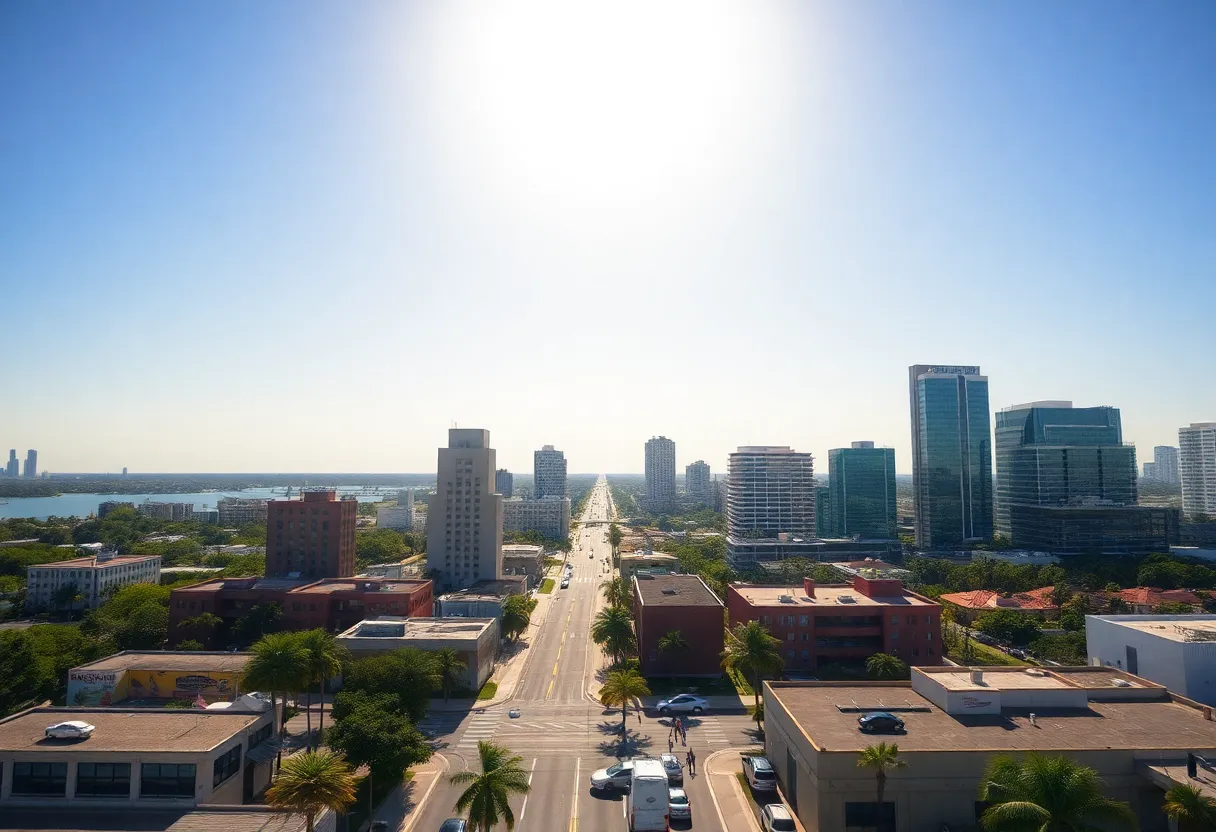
862	482
951	454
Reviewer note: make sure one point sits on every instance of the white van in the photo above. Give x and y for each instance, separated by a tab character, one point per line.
646	804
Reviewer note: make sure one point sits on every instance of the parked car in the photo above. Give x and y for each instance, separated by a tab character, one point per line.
671	764
565	583
880	722
451	825
74	730
614	777
685	703
678	805
776	818
759	773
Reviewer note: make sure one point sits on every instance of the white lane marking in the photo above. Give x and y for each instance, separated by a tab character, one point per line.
578	763
523	810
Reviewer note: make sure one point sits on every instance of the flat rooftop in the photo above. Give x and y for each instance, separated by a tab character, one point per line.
841	596
675	591
393	627
488	590
1197	628
362	585
144	730
129	819
87	562
180	660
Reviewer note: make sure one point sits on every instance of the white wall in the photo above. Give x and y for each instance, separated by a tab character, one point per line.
1159	660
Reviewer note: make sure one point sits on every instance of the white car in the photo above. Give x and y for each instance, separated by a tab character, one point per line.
614	777
776	818
759	773
565	583
671	765
74	730
678	806
685	703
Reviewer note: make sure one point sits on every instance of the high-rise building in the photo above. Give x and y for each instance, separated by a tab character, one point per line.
549	473
312	537
464	518
166	511
550	516
31	463
697	482
14	467
951	454
770	497
235	512
862	491
823	511
660	474
1150	471
1165	464
504	482
1197	468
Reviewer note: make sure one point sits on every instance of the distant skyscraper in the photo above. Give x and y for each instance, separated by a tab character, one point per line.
1150	471
464	519
823	511
124	470
951	454
14	467
862	491
1197	467
770	497
504	483
31	463
1165	464
660	474
549	473
697	482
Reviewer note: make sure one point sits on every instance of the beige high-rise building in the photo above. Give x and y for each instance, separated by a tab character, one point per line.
464	515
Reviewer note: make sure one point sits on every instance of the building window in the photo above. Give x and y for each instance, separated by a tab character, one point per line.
895	620
103	779
261	735
929	636
49	779
166	780
226	765
865	815
789	636
804	620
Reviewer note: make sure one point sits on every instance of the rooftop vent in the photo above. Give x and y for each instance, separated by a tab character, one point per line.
786	599
846	599
670	592
1121	683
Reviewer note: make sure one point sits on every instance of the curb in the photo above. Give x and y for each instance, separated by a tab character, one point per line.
413	819
752	825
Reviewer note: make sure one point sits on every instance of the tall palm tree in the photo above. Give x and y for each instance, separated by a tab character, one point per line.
1048	793
487	798
752	651
326	657
311	782
673	644
880	758
278	664
616	591
1194	811
886	666
620	688
612	629
451	669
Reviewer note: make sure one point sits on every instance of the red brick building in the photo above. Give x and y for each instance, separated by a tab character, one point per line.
842	623
311	538
662	603
333	604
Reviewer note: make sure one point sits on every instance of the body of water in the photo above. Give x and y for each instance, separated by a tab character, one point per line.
82	505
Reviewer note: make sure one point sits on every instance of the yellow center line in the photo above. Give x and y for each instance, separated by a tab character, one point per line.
560	645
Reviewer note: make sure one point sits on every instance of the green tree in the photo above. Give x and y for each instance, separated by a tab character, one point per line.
201	628
487	795
1072	613
1191	808
279	664
752	651
1048	793
259	622
380	546
374	732
1009	626
1173	608
620	688
617	591
408	673
19	678
886	666
673	646
311	782
612	629
326	658
880	759
66	597
516	615
451	669
615	536
190	644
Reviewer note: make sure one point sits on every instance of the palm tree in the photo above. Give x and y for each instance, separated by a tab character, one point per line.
326	658
880	758
617	591
673	644
487	798
752	651
1194	811
311	782
620	688
613	630
1048	793
278	664
451	669
886	666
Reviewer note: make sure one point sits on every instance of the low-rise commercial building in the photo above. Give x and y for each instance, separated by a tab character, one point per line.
648	562
475	639
1176	651
549	516
522	559
1134	733
842	623
482	600
155	677
663	603
93	577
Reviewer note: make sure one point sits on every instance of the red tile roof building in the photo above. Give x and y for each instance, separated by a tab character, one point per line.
972	604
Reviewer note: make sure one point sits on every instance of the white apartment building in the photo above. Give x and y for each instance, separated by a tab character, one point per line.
465	515
549	473
550	516
1165	464
660	474
400	517
770	492
237	511
697	482
166	511
94	576
1197	468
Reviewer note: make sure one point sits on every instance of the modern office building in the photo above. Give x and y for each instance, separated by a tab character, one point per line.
312	537
31	464
663	603
823	510
548	473
660	474
464	516
697	482
862	491
1165	464
1197	468
13	468
951	454
1089	527
93	576
1177	651
550	516
770	498
235	512
504	482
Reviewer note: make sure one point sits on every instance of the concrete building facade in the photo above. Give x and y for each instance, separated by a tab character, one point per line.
13	468
660	474
31	464
311	538
548	473
1175	651
1197	468
93	577
464	516
663	603
504	482
770	497
1165	464
697	482
474	639
235	512
550	516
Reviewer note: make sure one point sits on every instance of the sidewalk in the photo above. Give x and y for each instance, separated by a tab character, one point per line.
400	809
717	704
733	807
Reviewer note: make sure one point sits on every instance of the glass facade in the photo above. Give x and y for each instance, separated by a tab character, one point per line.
862	501
1096	530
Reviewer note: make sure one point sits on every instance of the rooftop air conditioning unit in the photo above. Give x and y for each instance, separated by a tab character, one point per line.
786	599
1121	683
847	599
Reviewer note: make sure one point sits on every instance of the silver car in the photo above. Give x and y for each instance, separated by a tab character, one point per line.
685	703
616	777
671	765
678	805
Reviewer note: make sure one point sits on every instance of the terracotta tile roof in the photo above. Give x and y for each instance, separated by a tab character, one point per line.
979	599
1151	596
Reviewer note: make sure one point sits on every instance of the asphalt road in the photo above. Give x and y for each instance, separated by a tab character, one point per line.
561	734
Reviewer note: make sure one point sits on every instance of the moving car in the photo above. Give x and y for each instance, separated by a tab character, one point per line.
566	582
685	703
759	773
74	730
776	818
671	764
880	722
678	805
614	777
646	805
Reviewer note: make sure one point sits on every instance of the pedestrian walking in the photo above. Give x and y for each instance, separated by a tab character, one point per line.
691	761
670	744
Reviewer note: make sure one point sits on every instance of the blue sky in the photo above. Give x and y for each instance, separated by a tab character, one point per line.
310	236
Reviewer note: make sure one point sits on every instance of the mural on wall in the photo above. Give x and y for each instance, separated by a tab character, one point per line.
91	688
96	687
